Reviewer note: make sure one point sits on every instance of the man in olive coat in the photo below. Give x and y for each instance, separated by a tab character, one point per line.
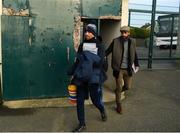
124	59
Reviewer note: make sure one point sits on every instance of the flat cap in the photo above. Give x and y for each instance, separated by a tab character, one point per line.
125	28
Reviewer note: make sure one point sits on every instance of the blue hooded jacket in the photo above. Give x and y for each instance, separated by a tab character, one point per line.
99	75
85	70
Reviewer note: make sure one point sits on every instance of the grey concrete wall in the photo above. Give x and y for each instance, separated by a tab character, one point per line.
110	29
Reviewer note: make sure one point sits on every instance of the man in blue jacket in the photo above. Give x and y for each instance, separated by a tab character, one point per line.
87	81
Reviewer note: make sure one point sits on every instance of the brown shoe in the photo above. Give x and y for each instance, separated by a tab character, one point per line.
119	108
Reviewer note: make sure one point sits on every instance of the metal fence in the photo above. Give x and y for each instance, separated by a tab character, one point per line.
161	49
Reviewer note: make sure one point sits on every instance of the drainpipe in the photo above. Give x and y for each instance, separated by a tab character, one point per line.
129	20
150	54
1	99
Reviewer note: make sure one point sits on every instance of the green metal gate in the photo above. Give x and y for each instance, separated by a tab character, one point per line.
37	49
37	43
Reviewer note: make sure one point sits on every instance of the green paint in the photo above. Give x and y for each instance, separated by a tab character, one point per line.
15	4
52	25
15	58
37	68
96	8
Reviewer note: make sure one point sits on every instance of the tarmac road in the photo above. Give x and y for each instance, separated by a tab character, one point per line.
152	105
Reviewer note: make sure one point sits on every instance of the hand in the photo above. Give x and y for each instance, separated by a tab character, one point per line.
71	78
137	68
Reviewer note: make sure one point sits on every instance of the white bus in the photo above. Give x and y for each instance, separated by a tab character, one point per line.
163	31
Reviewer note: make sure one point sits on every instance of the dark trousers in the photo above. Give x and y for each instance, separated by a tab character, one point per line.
96	98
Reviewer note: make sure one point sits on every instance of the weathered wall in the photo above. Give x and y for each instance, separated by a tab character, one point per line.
97	8
124	12
109	30
38	42
16	7
36	48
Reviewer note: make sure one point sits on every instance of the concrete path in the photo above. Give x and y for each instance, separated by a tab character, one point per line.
153	104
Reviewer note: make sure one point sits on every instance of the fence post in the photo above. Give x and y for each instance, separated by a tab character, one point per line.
150	54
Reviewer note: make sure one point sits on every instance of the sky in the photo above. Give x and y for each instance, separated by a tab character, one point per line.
139	19
161	2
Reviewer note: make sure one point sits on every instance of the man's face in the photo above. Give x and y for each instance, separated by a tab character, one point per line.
88	35
125	34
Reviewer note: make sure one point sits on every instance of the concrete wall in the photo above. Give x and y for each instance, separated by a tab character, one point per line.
124	12
110	28
97	8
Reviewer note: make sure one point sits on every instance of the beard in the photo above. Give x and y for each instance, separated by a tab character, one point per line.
125	38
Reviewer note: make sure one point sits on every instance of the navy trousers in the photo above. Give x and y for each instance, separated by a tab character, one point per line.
96	98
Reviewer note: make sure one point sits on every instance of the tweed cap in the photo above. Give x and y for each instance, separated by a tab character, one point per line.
125	28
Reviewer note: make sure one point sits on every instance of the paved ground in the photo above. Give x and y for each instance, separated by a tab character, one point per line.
152	105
